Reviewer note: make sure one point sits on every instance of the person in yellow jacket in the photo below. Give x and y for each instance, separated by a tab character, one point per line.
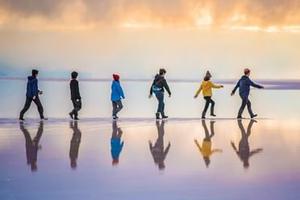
206	88
206	148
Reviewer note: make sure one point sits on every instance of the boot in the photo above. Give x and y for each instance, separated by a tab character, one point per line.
157	116
164	116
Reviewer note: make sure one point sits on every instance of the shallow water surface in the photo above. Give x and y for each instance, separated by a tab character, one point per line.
148	159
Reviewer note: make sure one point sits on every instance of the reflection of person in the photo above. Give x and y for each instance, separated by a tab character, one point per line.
32	94
75	143
117	95
206	87
158	152
32	146
244	89
158	87
116	143
244	152
206	148
75	96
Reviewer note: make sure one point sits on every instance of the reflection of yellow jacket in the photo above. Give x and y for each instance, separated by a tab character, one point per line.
206	87
206	150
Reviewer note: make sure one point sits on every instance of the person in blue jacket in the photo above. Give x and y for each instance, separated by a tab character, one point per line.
32	94
244	89
116	143
117	95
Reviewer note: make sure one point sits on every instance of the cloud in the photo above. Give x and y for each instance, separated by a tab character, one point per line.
192	13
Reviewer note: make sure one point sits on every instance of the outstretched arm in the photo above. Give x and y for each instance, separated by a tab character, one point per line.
198	145
167	150
166	86
198	91
217	151
255	151
216	86
235	88
234	147
256	85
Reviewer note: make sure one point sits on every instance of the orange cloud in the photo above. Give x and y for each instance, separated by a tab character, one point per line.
267	15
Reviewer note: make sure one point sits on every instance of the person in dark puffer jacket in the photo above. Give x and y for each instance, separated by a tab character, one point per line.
244	89
158	86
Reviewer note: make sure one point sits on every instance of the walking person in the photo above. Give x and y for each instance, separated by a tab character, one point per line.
206	88
158	150
32	145
32	94
116	143
244	89
75	143
243	151
117	95
75	96
206	149
158	86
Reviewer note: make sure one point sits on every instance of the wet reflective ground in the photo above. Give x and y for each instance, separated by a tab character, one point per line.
145	159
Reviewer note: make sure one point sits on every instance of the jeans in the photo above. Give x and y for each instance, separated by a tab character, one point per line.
76	107
117	106
27	106
161	104
245	101
208	101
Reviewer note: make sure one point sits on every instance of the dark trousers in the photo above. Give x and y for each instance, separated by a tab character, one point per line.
208	101
27	106
161	104
76	107
245	102
117	106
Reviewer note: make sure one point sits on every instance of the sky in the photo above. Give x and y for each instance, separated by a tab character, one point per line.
136	37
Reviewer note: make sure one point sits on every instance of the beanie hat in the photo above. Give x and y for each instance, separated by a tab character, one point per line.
116	77
208	74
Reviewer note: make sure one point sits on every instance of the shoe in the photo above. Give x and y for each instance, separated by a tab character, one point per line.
203	117
213	115
76	118
239	117
115	117
164	116
253	116
21	119
71	115
44	118
157	116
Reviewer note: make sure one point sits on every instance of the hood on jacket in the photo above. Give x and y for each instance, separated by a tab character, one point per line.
30	78
116	77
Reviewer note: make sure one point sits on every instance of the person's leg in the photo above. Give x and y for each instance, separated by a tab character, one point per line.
244	103
207	101
250	109
25	108
39	106
119	106
212	107
160	99
77	107
114	111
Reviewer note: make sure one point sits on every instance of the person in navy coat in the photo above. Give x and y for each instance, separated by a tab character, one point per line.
244	89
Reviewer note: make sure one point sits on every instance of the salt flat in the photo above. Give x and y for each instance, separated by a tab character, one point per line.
181	158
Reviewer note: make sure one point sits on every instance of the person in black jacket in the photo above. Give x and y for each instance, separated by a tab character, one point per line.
157	87
32	94
32	145
75	96
244	89
75	143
